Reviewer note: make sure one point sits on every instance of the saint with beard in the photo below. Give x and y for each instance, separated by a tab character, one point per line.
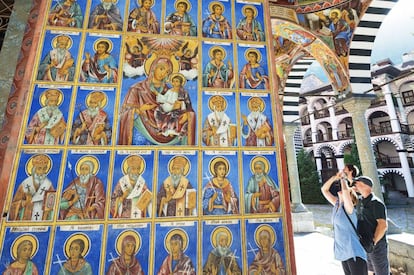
221	260
257	129
58	64
84	198
87	127
106	16
217	129
47	126
176	196
29	201
131	197
262	193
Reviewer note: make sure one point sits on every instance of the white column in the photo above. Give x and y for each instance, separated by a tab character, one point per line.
356	106
403	115
333	120
395	124
340	162
312	124
292	163
407	173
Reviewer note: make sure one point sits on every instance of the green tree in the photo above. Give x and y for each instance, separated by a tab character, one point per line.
310	186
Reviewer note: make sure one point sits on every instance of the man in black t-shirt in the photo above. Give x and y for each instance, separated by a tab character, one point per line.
372	217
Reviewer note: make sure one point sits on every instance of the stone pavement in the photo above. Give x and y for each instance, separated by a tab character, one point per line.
314	251
314	255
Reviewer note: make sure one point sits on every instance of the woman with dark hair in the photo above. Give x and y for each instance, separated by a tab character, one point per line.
126	263
347	247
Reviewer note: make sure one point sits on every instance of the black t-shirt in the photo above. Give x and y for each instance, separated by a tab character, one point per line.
370	209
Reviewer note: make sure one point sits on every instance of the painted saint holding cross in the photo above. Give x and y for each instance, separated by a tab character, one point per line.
30	202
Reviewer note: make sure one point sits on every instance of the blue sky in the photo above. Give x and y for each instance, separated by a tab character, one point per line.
396	34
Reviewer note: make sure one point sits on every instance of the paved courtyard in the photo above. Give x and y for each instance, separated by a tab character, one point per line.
314	251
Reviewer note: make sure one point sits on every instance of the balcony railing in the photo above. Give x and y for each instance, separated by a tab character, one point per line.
380	130
321	114
377	103
344	135
392	162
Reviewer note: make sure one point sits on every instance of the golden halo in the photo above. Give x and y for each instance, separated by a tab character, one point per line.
181	1
140	3
26	237
180	76
215	160
73	237
29	164
267	228
253	98
125	164
95	44
221	229
172	232
121	238
154	57
54	41
249	50
92	159
337	11
103	102
186	166
264	160
210	6
251	7
213	98
43	98
223	51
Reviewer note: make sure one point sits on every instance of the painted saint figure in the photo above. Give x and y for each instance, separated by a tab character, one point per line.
102	67
142	19
127	245
216	73
267	260
180	21
91	126
76	250
221	260
106	16
30	200
66	13
249	28
216	24
23	250
256	128
177	262
219	197
253	74
131	197
84	198
58	64
262	193
177	197
137	117
48	125
218	129
171	112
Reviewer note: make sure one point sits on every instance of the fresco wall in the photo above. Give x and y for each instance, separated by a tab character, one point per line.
149	143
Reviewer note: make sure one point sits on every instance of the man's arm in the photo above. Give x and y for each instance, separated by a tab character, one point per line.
380	230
